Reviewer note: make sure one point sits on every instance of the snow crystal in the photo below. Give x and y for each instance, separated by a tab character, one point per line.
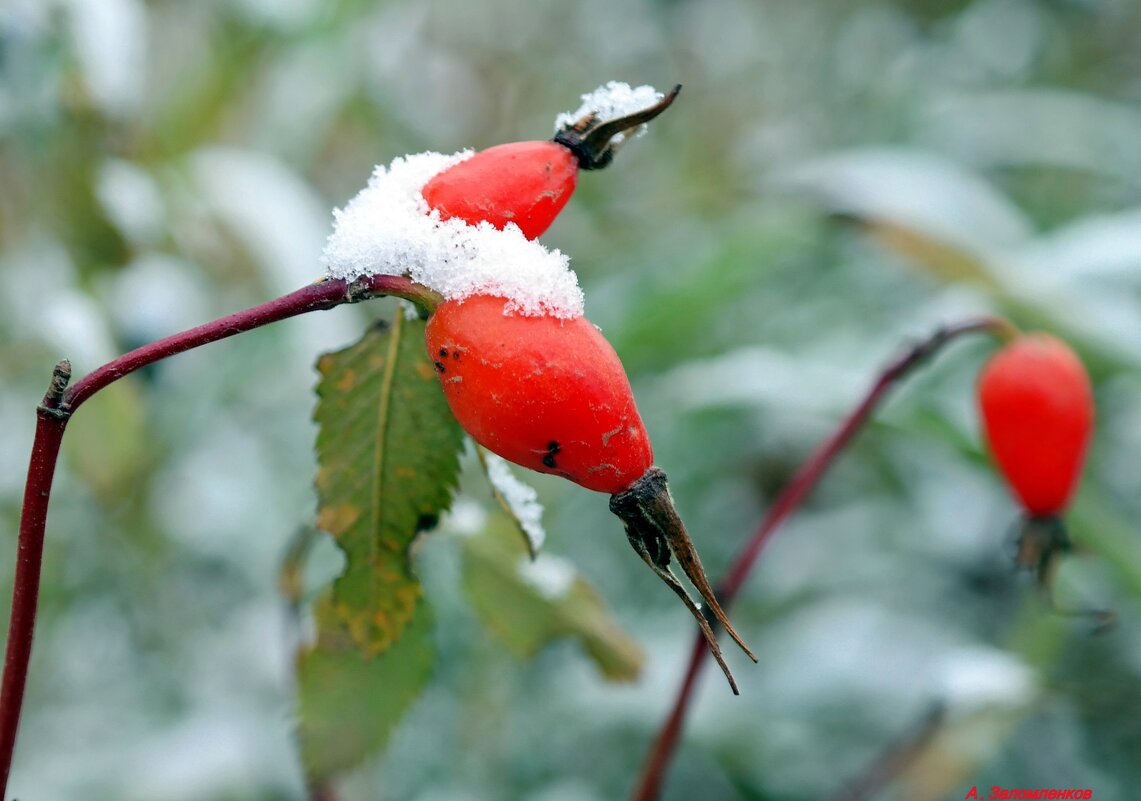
388	229
521	498
978	678
466	517
551	576
615	99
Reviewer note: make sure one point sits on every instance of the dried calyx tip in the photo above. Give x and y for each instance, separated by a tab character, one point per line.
1042	541
592	139
657	533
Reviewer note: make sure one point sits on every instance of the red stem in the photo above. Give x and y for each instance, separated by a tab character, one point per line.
61	402
314	297
657	762
26	586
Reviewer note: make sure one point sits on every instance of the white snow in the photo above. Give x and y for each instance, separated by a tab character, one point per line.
977	678
110	40
388	229
614	99
551	576
466	517
520	498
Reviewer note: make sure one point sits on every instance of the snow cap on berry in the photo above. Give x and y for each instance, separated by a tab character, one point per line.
614	99
388	229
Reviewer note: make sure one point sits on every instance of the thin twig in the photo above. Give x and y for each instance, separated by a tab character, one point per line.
323	791
893	760
60	403
657	762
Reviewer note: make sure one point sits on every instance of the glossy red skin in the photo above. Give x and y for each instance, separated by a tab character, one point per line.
1037	410
548	394
526	183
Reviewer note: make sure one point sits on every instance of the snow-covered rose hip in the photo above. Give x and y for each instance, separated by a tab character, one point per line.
528	183
550	394
466	223
523	370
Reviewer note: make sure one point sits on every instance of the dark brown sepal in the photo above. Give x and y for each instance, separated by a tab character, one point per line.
590	138
1042	541
656	533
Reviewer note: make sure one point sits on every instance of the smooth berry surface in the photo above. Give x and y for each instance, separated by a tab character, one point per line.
526	183
545	393
1037	410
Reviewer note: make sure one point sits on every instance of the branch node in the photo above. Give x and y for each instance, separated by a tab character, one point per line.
61	375
52	405
360	289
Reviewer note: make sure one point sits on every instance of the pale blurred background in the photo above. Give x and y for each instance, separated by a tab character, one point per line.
837	179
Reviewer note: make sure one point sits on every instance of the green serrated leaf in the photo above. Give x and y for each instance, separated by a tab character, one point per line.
527	604
388	454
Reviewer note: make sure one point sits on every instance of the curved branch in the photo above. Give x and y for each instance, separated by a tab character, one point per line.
60	403
650	783
320	296
26	584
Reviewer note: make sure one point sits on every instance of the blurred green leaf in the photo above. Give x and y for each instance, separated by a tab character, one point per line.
388	452
350	702
107	445
528	604
683	310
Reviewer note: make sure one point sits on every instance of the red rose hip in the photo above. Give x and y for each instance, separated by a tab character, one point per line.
542	392
528	183
551	394
1037	411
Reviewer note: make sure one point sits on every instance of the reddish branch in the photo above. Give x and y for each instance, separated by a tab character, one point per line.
650	783
60	403
896	758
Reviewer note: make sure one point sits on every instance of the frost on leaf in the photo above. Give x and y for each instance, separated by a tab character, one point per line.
528	604
388	229
517	498
614	99
548	575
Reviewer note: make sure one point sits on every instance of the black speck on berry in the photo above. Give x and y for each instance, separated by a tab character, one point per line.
553	448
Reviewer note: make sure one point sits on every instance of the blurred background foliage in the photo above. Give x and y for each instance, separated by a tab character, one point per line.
836	180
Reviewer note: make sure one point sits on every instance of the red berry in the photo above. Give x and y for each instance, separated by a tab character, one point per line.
1037	410
551	395
544	393
526	183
